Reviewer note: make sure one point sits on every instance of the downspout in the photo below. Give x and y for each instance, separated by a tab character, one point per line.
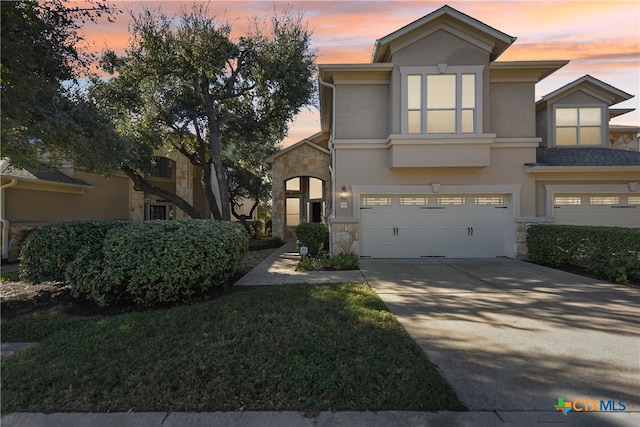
4	221
332	151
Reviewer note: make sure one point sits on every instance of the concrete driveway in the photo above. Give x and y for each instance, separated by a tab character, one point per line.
510	335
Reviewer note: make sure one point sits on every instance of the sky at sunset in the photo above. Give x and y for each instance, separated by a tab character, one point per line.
600	38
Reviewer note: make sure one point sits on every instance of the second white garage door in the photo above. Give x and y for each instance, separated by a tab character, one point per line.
453	226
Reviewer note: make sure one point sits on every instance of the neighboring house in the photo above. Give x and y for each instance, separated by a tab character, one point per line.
31	198
436	149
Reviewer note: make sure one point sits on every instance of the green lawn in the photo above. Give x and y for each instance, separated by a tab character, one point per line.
295	347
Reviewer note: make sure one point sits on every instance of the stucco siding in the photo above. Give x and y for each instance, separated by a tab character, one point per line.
441	47
370	167
109	199
512	110
362	111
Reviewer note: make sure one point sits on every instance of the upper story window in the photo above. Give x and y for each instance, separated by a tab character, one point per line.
578	126
441	100
163	168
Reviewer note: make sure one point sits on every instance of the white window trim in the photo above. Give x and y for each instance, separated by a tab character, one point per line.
603	120
458	70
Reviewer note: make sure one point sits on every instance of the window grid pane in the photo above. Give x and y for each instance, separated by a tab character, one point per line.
414	201
414	95
441	91
293	211
451	201
633	200
414	121
315	188
566	136
376	201
566	117
589	117
567	200
604	200
293	184
468	121
468	91
589	136
480	201
441	121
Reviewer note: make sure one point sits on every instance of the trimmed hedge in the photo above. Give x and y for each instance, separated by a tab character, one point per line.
146	262
151	262
611	252
313	236
48	250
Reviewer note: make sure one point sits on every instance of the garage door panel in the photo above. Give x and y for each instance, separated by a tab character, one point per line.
612	210
459	229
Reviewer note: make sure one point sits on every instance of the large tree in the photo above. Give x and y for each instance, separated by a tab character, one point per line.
189	84
43	110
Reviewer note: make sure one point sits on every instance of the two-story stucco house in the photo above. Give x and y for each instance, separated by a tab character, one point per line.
437	149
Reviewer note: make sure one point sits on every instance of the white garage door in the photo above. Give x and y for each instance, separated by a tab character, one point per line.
613	210
455	226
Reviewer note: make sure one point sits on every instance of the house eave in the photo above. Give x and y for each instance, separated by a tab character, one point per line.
536	169
533	71
44	185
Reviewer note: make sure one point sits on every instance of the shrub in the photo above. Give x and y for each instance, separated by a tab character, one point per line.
347	261
48	250
255	228
150	262
313	236
611	252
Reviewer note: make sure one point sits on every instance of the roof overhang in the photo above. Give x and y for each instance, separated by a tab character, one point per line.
615	112
574	169
497	40
21	183
523	71
587	84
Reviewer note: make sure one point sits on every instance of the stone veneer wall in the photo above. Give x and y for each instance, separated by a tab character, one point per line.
137	204
623	140
305	160
345	237
184	181
16	231
184	189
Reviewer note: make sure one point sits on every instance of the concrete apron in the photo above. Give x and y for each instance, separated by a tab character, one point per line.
513	336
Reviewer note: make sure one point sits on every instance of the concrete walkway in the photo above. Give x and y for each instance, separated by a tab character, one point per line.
280	268
447	307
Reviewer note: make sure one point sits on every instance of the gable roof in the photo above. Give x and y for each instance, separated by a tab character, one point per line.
587	84
500	40
576	156
307	141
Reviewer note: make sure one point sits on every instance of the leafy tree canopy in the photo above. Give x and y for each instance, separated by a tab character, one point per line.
189	84
42	110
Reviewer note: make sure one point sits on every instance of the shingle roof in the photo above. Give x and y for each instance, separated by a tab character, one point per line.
41	173
573	156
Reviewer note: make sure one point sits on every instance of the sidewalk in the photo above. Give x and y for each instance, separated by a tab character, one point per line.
279	268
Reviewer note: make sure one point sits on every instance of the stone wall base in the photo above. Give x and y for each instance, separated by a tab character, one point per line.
345	238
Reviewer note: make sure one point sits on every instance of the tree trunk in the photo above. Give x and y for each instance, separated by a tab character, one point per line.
208	191
140	184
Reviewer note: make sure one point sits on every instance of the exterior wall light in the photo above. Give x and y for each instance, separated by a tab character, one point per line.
343	193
